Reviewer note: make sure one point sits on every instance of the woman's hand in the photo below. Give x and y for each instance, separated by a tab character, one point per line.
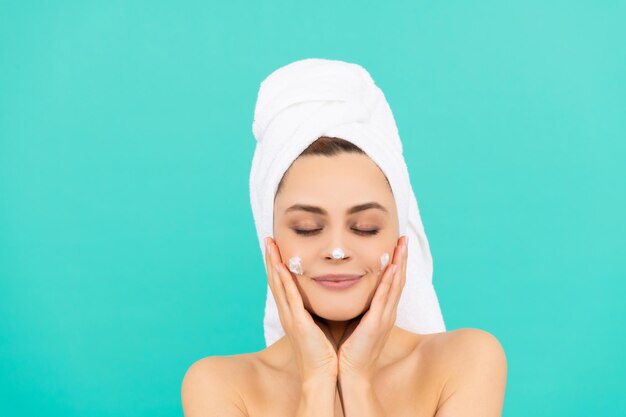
367	337
315	354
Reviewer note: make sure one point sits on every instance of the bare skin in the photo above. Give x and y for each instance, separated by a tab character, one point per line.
410	374
407	383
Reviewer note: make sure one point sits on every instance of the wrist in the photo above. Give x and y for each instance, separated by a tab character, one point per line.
316	382
355	378
317	396
356	386
312	389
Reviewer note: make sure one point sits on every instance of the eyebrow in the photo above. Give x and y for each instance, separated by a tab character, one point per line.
351	210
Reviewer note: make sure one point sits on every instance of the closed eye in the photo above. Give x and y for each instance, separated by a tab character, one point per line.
314	231
306	232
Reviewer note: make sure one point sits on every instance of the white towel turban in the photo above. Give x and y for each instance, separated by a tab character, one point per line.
304	100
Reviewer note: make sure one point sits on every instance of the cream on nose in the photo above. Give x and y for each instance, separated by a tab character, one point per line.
338	253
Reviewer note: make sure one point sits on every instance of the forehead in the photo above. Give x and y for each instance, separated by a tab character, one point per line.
337	181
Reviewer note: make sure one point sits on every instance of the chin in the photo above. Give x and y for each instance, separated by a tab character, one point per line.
337	312
337	306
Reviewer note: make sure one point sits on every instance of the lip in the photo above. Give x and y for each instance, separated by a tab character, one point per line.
338	281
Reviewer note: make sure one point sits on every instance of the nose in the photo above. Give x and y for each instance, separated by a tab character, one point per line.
337	253
336	249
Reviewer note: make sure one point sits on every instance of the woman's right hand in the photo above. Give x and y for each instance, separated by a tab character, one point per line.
313	345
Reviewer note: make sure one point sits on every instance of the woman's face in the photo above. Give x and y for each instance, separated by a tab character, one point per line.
312	216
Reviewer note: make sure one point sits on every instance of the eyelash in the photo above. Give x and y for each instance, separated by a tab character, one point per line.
312	232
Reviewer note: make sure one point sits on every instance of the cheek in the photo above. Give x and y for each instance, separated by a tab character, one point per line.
295	265
384	260
375	256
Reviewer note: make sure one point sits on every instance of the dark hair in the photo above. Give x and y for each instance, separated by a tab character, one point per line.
330	146
326	146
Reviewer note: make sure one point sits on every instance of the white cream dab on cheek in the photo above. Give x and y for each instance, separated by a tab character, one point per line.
384	260
295	265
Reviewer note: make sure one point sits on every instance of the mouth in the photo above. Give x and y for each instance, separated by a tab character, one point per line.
337	281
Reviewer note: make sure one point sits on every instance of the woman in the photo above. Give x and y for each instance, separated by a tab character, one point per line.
336	266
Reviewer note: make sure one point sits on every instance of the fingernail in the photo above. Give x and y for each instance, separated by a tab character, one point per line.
277	267
393	269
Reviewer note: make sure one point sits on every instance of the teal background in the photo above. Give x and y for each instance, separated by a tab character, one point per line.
125	150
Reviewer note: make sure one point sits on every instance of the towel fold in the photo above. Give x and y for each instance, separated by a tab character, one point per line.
309	98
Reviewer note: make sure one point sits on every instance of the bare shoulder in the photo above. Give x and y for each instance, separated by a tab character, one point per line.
454	347
475	368
211	386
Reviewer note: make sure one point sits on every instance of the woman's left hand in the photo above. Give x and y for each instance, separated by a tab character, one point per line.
366	338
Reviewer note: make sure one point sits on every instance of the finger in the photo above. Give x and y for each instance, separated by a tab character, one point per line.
274	282
397	252
396	260
276	285
291	291
388	295
268	267
405	263
292	294
378	301
397	283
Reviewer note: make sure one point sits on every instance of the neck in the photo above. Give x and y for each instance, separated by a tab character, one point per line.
339	330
